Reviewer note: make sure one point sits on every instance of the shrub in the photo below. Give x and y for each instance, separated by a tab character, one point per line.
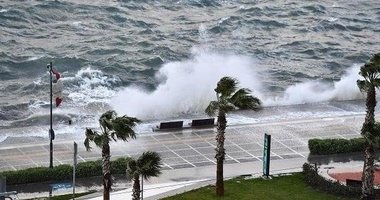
316	181
119	166
335	146
63	172
38	174
89	169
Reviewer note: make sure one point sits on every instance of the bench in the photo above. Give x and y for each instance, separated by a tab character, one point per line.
353	183
170	125
8	195
203	122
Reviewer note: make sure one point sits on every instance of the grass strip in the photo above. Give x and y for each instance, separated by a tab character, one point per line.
279	188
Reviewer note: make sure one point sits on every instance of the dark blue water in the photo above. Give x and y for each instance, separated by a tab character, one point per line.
141	57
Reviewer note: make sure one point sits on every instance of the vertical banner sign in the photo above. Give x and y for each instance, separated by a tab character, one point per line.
74	166
142	187
266	156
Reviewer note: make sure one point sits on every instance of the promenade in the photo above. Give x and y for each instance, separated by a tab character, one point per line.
191	147
188	154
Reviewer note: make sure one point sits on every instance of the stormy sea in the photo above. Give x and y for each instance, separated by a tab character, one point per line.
161	59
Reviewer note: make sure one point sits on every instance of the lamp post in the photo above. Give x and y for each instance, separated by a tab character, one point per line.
51	131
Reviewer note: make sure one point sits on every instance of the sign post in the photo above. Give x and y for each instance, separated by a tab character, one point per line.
266	156
74	166
142	187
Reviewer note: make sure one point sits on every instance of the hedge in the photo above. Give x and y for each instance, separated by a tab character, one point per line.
335	146
63	172
316	181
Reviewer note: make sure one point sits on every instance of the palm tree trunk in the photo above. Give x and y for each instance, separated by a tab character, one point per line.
106	171
220	153
136	187
368	192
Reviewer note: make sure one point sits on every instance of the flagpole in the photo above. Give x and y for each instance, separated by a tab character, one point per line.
51	115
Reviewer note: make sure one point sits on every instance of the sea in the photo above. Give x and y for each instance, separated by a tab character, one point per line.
161	59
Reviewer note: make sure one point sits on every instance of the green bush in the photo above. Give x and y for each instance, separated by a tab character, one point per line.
316	181
38	174
89	169
119	165
335	146
63	172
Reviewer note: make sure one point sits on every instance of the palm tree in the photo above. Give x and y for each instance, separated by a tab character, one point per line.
112	128
229	98
371	74
147	165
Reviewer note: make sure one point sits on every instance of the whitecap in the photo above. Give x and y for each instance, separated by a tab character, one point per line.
34	58
332	19
77	23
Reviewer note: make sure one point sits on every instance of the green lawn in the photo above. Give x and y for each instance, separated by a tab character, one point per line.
285	187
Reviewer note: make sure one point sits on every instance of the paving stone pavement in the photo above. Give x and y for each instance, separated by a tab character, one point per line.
190	148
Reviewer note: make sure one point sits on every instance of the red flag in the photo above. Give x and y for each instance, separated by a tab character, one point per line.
57	87
56	74
58	101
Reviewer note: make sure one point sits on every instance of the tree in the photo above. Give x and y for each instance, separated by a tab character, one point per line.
371	74
229	98
148	165
112	128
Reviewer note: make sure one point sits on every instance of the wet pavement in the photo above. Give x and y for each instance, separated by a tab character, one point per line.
192	147
192	150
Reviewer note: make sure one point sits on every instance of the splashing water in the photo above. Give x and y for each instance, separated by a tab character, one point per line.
93	86
187	86
317	91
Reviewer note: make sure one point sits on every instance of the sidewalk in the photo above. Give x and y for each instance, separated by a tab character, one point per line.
177	181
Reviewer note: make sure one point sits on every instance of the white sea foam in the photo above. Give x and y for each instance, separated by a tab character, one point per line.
186	86
77	23
94	86
34	58
317	91
3	10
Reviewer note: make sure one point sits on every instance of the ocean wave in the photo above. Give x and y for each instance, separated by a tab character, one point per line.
35	120
318	9
102	47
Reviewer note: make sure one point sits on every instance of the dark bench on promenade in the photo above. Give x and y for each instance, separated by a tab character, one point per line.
8	195
353	183
203	122
170	125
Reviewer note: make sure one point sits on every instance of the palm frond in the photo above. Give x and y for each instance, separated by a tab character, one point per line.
376	82
99	140
363	86
106	120
227	107
93	136
212	108
123	127
108	115
226	86
150	164
243	100
375	59
87	144
371	73
90	134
